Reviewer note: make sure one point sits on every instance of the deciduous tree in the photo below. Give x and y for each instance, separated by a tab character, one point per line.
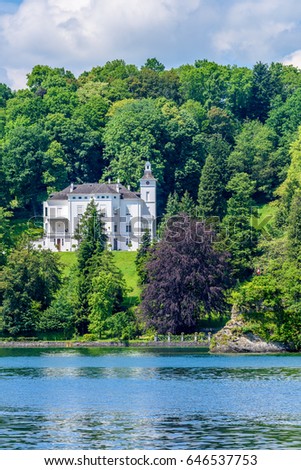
186	277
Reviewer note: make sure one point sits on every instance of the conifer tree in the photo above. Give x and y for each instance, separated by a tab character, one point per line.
240	237
172	208
187	205
92	239
90	234
142	256
211	198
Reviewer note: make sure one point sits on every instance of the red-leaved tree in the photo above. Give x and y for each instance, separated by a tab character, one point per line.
186	277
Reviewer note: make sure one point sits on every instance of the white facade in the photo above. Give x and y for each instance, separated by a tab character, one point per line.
126	214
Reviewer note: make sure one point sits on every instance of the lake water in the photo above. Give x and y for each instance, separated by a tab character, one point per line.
145	399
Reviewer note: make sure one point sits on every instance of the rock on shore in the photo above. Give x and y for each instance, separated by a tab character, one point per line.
232	339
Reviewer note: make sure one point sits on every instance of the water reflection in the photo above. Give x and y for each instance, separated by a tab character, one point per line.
133	400
22	429
155	373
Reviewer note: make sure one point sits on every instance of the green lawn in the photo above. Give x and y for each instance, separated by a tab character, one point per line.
68	259
125	260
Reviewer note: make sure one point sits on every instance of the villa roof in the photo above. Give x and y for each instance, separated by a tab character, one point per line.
94	188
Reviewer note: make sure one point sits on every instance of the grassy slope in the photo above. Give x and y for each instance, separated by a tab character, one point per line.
125	261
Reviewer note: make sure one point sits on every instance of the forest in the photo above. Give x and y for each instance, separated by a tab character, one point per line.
225	146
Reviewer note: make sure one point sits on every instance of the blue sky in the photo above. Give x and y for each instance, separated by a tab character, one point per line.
79	34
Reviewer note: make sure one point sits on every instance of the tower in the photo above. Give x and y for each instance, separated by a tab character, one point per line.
148	194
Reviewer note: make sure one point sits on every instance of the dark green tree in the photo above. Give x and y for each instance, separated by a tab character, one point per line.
92	240
107	292
265	87
240	236
134	134
24	164
294	228
211	197
143	255
57	321
30	280
153	64
6	241
254	154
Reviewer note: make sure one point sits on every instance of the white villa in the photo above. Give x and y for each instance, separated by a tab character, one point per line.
126	214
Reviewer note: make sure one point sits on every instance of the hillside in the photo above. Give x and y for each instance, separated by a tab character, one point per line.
224	143
124	260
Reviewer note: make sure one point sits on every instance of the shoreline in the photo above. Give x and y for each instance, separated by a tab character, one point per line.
101	344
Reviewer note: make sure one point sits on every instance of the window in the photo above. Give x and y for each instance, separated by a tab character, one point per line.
46	211
147	196
79	210
115	228
59	212
128	228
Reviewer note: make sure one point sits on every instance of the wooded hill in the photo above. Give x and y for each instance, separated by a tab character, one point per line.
224	142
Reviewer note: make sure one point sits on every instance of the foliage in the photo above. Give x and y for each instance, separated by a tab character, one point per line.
92	240
211	190
186	277
90	234
271	302
142	256
254	154
221	139
106	292
122	325
106	295
30	280
58	318
5	234
240	236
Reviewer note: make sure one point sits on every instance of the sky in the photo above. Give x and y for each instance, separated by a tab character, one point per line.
80	34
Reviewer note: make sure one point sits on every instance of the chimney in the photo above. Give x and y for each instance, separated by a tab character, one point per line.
129	187
109	181
71	187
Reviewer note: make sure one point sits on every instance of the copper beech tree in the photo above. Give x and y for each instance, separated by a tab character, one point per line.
186	277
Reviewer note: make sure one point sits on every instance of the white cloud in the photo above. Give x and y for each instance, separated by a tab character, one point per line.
79	34
82	33
253	29
293	59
